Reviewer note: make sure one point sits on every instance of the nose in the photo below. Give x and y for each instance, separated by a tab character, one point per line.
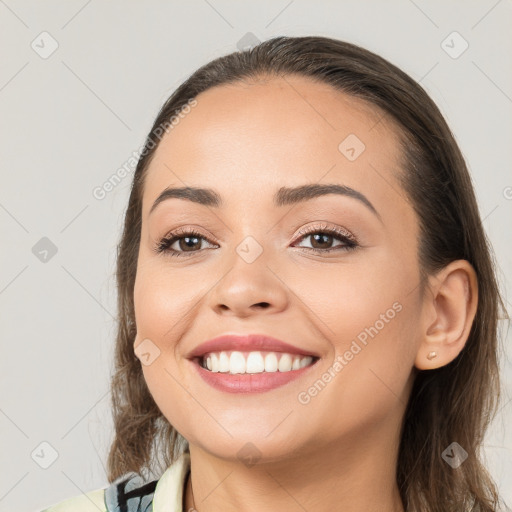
249	289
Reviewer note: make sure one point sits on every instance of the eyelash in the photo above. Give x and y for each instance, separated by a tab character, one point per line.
163	246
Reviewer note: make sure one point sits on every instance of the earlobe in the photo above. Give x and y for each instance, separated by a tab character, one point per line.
450	305
431	355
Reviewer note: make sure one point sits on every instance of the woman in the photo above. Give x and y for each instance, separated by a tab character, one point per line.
308	306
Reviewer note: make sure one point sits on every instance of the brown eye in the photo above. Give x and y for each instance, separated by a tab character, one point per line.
189	243
186	240
322	239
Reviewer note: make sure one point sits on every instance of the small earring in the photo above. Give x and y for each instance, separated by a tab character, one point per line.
431	355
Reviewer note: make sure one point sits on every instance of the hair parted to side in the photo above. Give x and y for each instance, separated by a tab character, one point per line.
453	403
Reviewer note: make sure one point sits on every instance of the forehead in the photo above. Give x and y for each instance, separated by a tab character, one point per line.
275	132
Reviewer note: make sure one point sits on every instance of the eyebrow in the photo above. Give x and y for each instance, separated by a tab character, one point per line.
283	197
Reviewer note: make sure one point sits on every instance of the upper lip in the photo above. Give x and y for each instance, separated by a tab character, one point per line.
247	343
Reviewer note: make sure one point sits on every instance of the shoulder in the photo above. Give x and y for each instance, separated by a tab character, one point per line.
127	493
130	492
93	501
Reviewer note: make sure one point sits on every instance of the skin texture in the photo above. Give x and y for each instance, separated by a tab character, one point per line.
338	451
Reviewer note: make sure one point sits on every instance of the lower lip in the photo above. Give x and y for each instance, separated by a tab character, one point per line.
249	382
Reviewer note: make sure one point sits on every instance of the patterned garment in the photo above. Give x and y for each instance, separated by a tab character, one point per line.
130	493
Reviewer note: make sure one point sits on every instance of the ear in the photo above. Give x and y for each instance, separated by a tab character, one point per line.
449	308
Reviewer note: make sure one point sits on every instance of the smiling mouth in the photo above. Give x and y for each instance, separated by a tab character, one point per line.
237	362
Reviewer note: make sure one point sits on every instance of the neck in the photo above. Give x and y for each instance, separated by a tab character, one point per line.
350	476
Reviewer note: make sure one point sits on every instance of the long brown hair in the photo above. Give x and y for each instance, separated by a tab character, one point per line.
453	403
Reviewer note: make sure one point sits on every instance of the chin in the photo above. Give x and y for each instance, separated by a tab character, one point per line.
250	449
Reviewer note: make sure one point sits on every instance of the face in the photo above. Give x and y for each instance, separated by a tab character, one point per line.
332	274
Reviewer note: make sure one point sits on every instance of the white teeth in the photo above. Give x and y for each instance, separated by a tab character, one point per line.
305	361
223	362
254	362
237	363
215	362
271	362
285	363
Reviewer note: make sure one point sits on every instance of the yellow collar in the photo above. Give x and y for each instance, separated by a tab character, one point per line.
169	489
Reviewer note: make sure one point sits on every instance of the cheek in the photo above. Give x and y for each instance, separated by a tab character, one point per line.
366	382
163	303
165	385
369	318
162	300
351	299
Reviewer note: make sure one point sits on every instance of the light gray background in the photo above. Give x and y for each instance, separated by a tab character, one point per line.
70	120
